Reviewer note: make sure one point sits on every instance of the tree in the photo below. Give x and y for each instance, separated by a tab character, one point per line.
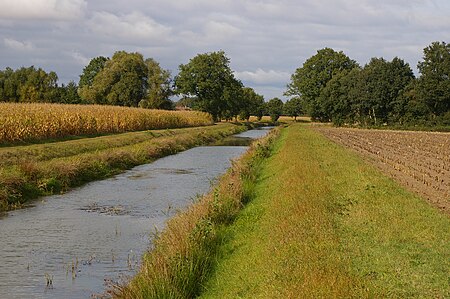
382	84
158	87
233	97
206	77
341	97
275	108
309	80
68	94
433	86
293	107
28	84
91	70
252	104
122	81
261	109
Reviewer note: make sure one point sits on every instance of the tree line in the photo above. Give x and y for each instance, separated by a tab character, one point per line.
205	83
329	86
333	87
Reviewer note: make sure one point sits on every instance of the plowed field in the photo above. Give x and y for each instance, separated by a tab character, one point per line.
418	160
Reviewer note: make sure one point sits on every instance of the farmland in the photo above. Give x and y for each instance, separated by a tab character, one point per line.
323	223
418	160
31	122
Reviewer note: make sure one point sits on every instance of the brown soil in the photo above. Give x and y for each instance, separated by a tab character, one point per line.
419	161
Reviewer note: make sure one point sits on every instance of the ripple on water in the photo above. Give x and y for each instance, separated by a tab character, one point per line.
100	225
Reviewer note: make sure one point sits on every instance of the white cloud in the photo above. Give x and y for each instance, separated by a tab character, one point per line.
263	77
133	26
18	45
42	9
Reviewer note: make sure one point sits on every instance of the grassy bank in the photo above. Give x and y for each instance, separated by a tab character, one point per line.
183	254
27	172
324	224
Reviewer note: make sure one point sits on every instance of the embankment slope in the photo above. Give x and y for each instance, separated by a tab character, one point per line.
325	224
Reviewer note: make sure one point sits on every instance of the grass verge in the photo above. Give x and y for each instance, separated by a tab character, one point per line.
324	224
183	254
27	172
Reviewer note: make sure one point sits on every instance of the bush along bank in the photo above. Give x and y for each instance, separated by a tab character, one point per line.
182	255
29	179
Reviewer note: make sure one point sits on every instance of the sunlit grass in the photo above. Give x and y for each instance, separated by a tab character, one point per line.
324	224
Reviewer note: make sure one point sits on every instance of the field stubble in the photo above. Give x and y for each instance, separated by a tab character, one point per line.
418	160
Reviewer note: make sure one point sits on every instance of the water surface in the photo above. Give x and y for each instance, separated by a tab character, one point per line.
79	241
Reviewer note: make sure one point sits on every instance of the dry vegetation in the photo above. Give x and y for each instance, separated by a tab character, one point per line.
418	160
24	122
183	254
28	171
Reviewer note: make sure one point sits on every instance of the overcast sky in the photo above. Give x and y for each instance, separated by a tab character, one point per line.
266	40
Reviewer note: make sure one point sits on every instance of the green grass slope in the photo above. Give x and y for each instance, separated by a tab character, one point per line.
324	224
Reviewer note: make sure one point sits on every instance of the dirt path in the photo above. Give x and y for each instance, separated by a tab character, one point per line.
418	160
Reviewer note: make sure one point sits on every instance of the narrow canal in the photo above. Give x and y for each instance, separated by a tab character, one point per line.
72	245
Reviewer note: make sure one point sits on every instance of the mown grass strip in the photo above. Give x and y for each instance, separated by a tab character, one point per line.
324	224
28	179
182	255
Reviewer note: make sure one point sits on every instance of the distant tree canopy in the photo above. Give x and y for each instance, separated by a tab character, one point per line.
334	88
28	85
309	80
91	70
293	107
275	108
159	88
122	81
433	87
68	94
253	104
206	77
126	80
209	80
329	86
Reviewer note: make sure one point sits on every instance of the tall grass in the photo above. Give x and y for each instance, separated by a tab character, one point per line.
26	122
60	166
182	255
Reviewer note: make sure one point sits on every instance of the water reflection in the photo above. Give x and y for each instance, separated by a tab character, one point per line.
97	233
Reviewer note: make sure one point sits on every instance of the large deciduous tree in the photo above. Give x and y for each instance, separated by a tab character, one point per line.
122	81
309	80
382	84
91	70
158	87
208	78
253	104
293	107
341	97
275	108
28	84
433	86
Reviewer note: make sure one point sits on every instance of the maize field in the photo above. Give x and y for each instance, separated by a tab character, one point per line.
418	160
29	121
